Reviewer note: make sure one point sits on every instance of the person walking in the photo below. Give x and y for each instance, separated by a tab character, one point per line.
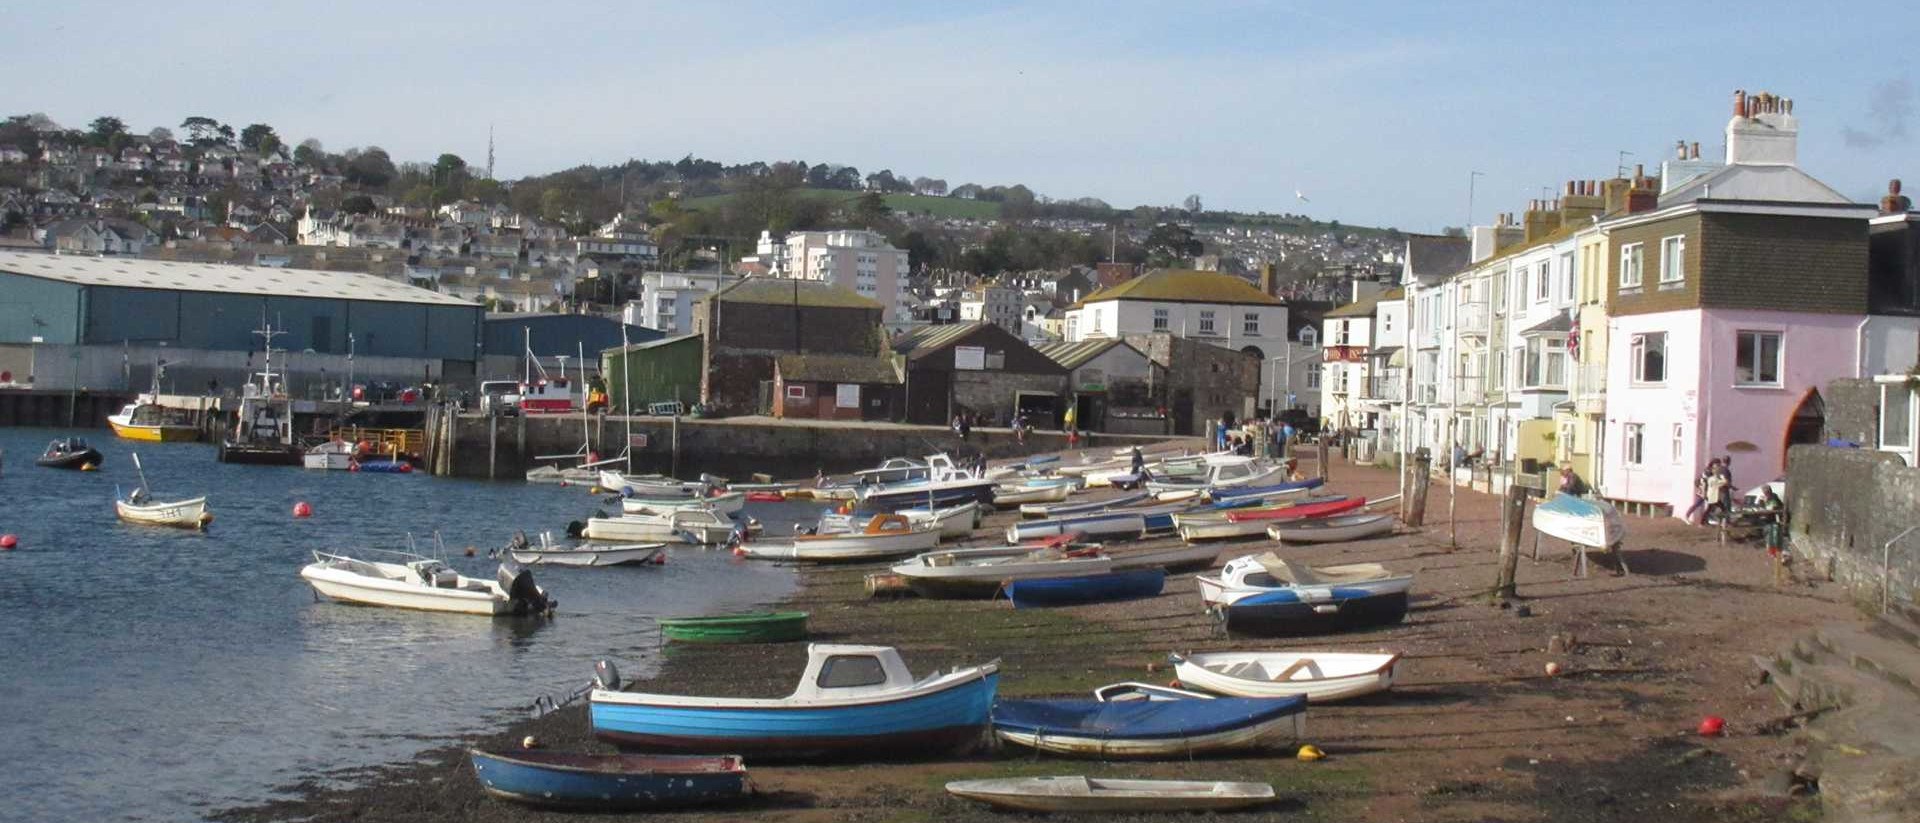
1700	490
1139	464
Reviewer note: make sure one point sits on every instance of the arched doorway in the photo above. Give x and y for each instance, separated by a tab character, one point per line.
1808	424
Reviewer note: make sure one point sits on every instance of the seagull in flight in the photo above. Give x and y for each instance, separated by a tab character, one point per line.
1301	195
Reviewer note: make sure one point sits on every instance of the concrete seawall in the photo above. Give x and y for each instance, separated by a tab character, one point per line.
506	447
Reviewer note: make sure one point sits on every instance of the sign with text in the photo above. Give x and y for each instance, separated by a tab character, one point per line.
638	441
973	358
846	396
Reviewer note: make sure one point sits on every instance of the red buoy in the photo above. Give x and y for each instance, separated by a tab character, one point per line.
8	541
1712	725
301	509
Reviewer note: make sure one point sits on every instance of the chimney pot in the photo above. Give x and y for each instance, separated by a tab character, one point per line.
1639	171
1696	150
1680	150
1570	187
1739	102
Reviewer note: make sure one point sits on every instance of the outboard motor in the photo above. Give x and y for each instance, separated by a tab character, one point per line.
526	597
605	675
575	528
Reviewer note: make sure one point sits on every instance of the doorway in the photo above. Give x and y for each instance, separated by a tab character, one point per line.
1808	424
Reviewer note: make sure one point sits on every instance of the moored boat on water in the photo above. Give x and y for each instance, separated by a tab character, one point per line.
70	453
729	503
148	421
333	455
851	700
425	584
1089	795
608	782
698	525
549	553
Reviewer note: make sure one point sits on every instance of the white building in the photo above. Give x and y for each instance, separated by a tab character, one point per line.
1216	308
858	260
1347	343
999	305
667	297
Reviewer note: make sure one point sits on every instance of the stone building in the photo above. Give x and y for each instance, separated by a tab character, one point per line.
750	323
1204	381
978	368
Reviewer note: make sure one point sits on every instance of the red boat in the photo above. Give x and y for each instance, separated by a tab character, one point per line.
1298	511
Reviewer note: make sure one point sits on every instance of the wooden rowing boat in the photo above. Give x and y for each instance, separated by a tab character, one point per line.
1095	795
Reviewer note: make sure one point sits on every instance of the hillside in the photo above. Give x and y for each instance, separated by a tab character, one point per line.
902	204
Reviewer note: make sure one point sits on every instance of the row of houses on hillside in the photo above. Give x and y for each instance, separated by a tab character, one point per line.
1635	328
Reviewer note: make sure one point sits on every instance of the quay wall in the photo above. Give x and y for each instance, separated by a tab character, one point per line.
504	448
1845	504
60	409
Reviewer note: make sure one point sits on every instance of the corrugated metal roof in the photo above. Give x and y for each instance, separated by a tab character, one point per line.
1073	355
651	344
134	273
920	341
1187	286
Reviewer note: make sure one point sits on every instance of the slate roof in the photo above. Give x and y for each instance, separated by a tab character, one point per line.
1432	255
1364	307
839	368
1186	286
780	291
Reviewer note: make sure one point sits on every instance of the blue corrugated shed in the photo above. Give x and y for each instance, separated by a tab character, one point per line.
559	334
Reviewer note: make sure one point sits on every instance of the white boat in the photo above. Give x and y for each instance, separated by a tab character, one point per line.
1592	523
951	521
1087	469
554	475
726	504
424	584
981	572
1008	496
1102	524
333	455
653	485
549	553
945	485
1097	795
1180	556
1332	529
179	514
681	526
1320	677
1258	574
140	507
1248	472
884	535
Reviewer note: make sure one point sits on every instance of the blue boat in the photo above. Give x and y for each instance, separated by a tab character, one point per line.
1231	492
1093	588
1291	612
852	700
608	782
1151	726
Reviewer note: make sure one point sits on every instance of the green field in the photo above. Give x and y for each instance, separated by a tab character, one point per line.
903	204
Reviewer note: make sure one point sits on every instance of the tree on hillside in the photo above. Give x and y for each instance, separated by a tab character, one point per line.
201	131
930	186
1170	244
371	168
967	191
881	180
1191	204
358	204
845	177
103	131
259	137
871	209
160	134
310	153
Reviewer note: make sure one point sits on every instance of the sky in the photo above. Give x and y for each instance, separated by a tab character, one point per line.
1378	113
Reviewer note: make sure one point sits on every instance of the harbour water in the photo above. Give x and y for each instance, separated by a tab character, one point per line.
155	674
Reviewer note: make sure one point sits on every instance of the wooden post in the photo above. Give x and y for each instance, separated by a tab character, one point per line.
1422	477
675	470
1326	464
1513	507
493	443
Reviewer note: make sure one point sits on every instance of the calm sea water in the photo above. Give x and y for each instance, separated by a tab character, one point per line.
154	674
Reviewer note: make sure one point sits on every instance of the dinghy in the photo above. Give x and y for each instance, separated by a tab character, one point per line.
1257	573
1102	524
1320	677
1307	600
556	476
702	526
1179	728
1290	486
333	455
1218	525
1011	496
950	521
140	507
1091	588
1332	529
1595	524
745	627
1171	558
1067	509
549	553
727	504
70	453
1097	795
852	700
883	536
425	584
982	572
608	782
1244	472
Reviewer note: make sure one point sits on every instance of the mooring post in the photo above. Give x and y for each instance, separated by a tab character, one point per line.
1422	478
1326	464
1513	508
675	471
493	443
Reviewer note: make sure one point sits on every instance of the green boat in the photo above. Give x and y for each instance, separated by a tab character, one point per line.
745	627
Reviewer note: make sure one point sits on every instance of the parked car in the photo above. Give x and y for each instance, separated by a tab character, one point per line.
500	397
1301	421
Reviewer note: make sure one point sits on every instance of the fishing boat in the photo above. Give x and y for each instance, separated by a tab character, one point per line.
549	553
1178	557
1101	524
1165	728
851	700
1218	525
142	420
1010	496
883	536
1090	795
745	627
1035	592
262	432
608	782
982	572
426	584
140	507
1595	524
728	504
1312	600
1045	510
1320	677
703	526
70	453
945	485
333	455
1334	529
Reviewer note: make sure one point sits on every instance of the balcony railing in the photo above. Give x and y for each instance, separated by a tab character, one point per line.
1385	388
1472	318
1593	379
1468	388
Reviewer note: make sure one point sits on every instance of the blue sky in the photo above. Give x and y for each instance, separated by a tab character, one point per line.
1377	111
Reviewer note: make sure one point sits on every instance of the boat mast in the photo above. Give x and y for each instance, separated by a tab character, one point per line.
626	391
586	437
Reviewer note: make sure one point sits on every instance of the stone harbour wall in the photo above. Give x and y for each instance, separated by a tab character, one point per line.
1845	505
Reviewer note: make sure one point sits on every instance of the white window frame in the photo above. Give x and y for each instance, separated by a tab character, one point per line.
1673	259
1543	286
1907	420
1639	359
1779	357
1340	332
1250	324
1162	319
1632	260
1568	280
1633	437
1313	376
1206	322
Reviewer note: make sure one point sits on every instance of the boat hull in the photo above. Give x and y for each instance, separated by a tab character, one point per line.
1145	729
1095	588
754	627
623	530
979	492
1111	524
1269	616
1172	558
152	434
185	514
647	554
1070	794
925	723
71	460
846	548
608	782
986	580
1357	675
1582	522
258	454
1332	529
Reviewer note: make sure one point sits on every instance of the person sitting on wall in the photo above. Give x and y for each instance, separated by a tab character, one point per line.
1570	483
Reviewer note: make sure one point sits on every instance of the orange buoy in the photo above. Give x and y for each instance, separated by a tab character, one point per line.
301	509
8	541
1712	725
